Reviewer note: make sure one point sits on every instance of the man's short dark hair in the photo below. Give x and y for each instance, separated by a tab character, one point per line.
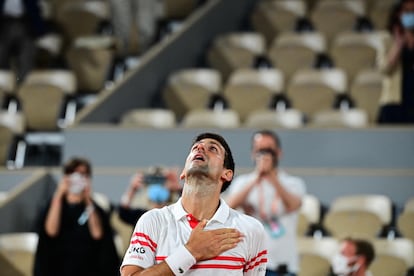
365	248
70	166
268	132
228	157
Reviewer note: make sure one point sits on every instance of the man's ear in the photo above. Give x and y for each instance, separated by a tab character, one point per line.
182	175
227	175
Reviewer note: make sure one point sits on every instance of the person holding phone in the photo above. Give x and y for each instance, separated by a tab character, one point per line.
398	67
161	185
274	197
73	230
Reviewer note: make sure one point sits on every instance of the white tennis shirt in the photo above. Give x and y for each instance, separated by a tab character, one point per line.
159	232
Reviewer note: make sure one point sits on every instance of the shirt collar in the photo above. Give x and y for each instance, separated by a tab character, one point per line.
220	215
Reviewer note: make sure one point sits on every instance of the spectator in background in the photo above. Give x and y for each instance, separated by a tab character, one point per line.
354	258
274	197
136	23
199	234
21	23
75	237
162	185
398	66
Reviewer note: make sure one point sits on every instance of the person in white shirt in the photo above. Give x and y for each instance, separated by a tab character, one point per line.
354	258
199	234
274	197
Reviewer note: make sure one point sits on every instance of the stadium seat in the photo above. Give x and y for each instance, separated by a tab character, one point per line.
61	78
272	18
362	216
191	88
207	118
89	16
347	118
366	89
355	51
235	50
379	11
266	118
335	16
405	221
312	90
292	51
310	214
7	81
392	257
91	59
149	118
315	255
6	140
248	90
7	86
178	9
19	250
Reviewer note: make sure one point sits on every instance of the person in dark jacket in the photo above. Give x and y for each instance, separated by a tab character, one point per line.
75	236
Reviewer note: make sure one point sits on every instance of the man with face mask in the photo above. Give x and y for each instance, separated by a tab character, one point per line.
274	197
354	258
398	66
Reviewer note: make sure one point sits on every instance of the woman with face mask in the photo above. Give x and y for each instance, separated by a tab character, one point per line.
398	65
73	230
353	259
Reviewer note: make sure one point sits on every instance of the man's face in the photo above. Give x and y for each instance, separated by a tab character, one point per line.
262	144
206	158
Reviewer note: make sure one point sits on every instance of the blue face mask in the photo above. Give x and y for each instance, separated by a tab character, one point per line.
407	20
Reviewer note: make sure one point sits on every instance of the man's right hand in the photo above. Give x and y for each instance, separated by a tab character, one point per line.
207	244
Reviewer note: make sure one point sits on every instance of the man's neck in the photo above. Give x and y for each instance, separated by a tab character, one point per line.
200	203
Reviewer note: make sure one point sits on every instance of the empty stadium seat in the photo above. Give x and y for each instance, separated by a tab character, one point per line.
366	89
315	255
149	118
19	250
91	59
207	118
346	118
355	51
362	216
6	140
312	90
292	51
80	18
266	118
392	257
7	81
405	221
310	214
379	12
272	18
248	90
191	88
335	16
235	50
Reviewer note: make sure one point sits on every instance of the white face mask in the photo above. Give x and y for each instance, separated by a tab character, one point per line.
77	183
340	265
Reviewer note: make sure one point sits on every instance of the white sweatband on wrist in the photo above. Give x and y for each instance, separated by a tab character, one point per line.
180	261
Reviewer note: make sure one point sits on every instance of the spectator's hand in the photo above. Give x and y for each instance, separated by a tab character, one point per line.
172	182
264	164
207	244
87	192
398	37
63	186
137	182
